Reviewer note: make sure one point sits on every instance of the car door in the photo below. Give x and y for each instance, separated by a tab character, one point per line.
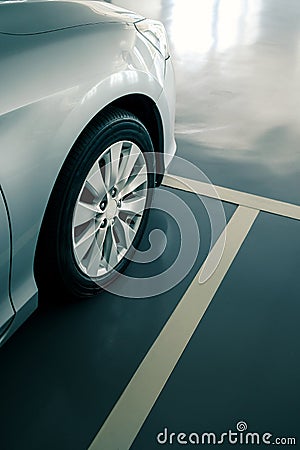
6	310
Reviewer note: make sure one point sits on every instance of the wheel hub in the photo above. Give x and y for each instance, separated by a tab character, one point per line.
111	210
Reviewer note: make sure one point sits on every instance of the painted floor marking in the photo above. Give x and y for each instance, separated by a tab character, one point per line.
129	413
229	195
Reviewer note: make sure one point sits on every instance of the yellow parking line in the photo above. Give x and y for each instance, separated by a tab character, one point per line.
128	415
229	195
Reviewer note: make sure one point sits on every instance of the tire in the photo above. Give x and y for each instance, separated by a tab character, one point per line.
98	209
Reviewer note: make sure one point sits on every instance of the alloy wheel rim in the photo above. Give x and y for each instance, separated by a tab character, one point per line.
109	209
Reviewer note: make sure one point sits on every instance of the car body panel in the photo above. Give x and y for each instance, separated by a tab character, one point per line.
6	309
59	81
31	17
166	105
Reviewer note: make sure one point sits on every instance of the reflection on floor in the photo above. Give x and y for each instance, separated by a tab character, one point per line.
238	93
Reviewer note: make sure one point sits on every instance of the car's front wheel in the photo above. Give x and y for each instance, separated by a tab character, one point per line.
99	206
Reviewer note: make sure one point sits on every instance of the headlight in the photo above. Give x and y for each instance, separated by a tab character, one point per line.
155	33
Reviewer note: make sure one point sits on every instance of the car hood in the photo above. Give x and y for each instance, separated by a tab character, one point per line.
23	17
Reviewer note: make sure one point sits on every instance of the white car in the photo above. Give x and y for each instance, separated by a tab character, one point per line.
86	95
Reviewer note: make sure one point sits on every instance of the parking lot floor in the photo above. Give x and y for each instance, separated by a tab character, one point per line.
227	354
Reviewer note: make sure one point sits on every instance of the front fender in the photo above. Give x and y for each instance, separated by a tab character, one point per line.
52	85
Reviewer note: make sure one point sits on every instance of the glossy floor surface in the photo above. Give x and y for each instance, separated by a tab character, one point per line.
238	96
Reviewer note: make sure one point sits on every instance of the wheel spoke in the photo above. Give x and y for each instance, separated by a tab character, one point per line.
88	232
127	165
84	212
125	233
101	236
134	206
95	182
134	182
110	250
115	155
83	246
93	259
85	242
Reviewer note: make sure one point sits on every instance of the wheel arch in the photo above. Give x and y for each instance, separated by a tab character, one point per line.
146	110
